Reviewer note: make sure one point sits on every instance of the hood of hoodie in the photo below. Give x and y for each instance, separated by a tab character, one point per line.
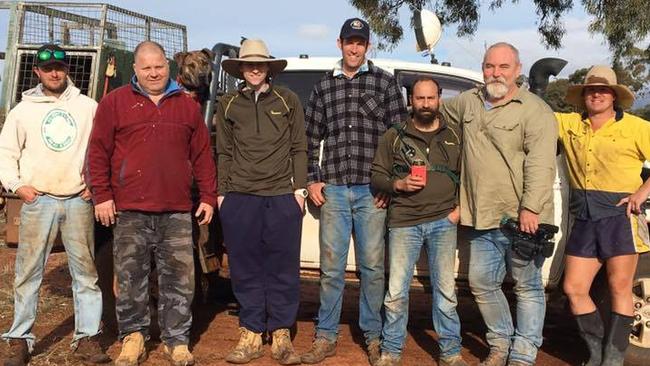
36	94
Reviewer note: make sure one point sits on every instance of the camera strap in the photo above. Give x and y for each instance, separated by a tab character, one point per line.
411	152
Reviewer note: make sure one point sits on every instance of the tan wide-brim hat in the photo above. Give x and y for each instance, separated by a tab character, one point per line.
600	75
253	50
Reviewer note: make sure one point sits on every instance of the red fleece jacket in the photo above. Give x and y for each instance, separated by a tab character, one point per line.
143	156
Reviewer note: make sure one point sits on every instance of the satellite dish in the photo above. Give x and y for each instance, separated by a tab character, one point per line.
427	29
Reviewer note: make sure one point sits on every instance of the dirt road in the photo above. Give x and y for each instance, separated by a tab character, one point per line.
215	327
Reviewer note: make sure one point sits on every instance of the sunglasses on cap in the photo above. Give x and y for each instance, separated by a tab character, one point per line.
45	55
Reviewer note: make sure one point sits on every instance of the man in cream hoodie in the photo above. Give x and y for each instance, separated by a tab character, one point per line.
42	149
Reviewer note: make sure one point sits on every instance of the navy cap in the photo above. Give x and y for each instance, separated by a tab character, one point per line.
355	27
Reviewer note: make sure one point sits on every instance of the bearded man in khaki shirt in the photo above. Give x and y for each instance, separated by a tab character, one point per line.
509	143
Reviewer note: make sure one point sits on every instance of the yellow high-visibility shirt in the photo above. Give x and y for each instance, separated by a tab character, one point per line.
604	165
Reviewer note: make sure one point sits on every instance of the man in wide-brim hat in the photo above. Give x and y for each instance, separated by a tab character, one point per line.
261	127
605	151
600	76
253	51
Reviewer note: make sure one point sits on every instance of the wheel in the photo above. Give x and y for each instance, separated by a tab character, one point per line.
638	352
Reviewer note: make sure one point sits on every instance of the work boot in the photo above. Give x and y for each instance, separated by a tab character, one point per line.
374	351
320	349
282	349
133	351
618	338
455	360
179	355
495	358
89	351
18	353
389	359
591	330
248	348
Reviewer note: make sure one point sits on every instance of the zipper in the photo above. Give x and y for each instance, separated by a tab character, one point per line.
257	116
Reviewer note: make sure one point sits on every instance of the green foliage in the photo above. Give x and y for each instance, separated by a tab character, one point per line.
623	22
643	112
555	94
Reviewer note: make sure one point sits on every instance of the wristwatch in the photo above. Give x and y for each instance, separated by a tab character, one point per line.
301	192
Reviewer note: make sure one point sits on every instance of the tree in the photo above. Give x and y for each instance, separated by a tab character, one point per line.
555	94
622	22
643	112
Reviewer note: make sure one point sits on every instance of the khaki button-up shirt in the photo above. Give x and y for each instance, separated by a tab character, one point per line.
508	158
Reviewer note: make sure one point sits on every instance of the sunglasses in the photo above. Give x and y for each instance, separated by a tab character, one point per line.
45	55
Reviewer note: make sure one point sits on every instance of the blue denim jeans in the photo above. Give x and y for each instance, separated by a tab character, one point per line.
345	208
39	223
490	258
405	244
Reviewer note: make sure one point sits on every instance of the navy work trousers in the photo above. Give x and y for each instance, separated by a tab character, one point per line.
262	236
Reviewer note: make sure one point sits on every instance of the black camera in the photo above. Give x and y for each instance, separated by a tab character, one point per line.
529	246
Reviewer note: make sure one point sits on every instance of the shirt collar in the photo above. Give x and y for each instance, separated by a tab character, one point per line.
518	97
338	69
172	87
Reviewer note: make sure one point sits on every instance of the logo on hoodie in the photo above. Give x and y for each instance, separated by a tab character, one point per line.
59	130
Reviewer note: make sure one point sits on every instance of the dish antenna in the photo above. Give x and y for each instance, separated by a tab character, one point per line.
428	31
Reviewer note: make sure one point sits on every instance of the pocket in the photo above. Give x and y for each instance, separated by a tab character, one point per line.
371	107
279	119
33	202
448	220
296	205
505	126
507	135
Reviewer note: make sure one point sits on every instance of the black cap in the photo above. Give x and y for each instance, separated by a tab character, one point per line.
52	60
355	27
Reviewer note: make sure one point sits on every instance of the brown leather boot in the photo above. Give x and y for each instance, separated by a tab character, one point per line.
18	353
89	351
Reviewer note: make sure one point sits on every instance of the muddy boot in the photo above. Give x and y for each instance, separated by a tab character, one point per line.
374	351
495	358
248	348
389	359
89	351
18	353
618	338
592	332
179	355
320	349
133	351
282	349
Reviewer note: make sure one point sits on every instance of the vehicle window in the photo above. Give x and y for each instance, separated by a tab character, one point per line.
300	82
451	85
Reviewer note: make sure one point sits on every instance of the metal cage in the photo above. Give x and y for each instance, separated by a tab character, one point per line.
89	32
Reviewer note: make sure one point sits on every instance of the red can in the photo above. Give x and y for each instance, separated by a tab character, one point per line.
419	169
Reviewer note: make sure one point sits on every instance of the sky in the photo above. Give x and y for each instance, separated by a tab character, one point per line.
291	28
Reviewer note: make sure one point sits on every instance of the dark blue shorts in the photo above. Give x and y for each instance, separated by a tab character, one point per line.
608	237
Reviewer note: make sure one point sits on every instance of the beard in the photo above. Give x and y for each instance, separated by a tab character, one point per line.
496	88
55	88
425	116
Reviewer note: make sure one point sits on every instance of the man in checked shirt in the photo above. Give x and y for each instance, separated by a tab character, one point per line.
349	110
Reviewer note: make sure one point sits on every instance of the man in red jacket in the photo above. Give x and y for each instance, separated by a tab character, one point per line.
147	143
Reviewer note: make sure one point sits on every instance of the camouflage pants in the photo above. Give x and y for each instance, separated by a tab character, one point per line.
168	237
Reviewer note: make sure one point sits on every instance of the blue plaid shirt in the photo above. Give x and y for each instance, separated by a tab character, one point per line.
350	115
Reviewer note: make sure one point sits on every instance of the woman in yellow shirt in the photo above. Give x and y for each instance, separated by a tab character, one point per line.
605	150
